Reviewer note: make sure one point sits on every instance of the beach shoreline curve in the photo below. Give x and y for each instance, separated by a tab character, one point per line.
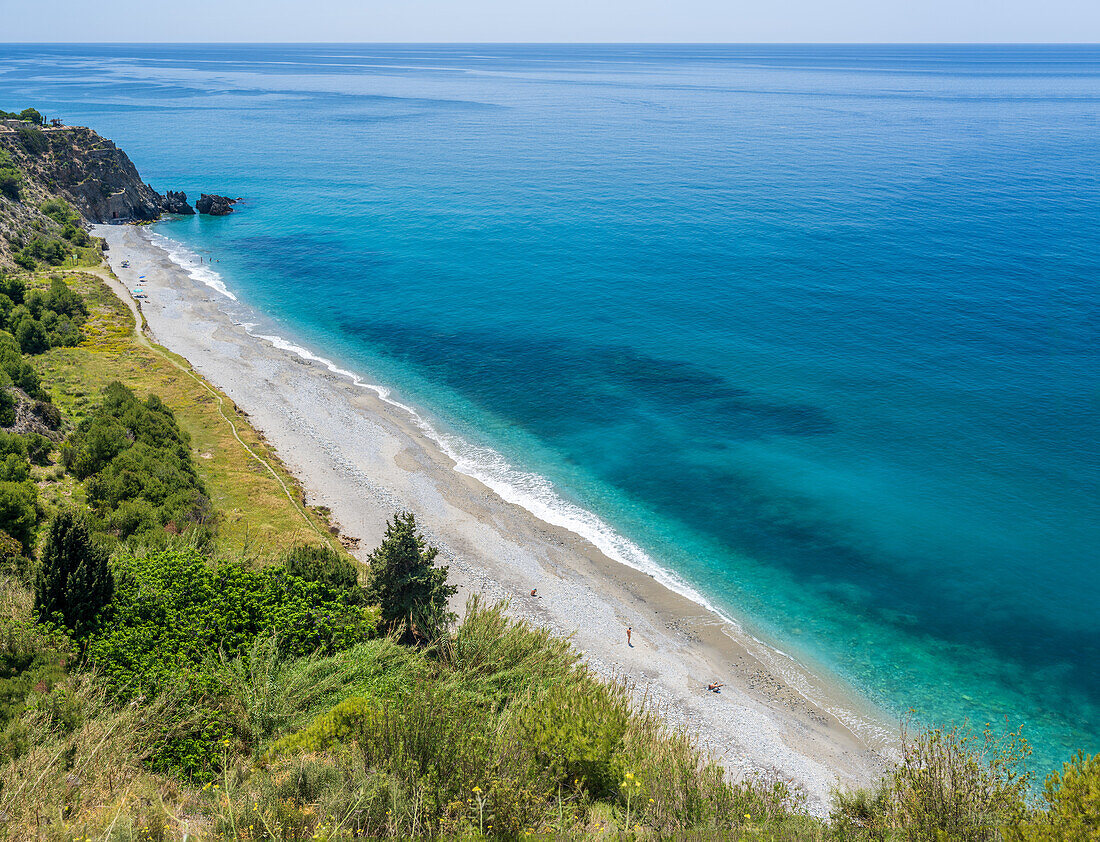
365	455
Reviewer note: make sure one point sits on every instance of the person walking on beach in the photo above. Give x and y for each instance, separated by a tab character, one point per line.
628	631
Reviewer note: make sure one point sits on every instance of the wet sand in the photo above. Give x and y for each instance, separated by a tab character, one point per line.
364	458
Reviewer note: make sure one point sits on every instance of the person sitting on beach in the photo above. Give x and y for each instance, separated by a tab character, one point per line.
716	687
534	591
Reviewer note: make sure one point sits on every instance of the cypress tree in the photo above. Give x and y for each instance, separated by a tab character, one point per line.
74	579
405	583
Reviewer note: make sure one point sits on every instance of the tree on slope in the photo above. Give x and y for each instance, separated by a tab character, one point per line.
405	583
74	580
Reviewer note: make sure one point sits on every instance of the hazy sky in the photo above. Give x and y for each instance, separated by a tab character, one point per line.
551	20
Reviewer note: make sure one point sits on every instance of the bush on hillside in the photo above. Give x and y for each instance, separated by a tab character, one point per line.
41	320
33	659
405	583
172	610
1072	797
19	511
511	737
11	180
74	582
324	565
59	210
20	372
950	784
137	466
13	561
32	139
42	250
7	402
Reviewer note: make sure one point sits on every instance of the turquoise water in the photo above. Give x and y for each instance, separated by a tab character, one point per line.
815	327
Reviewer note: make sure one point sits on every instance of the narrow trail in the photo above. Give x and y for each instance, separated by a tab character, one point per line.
140	325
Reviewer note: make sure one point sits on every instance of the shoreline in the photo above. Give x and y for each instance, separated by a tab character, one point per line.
365	456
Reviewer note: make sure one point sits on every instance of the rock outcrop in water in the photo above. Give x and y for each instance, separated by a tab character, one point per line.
211	203
175	202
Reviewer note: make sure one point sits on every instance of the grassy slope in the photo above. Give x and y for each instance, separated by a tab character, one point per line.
258	518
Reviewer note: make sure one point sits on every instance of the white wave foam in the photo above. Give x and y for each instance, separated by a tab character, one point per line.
188	261
532	491
537	494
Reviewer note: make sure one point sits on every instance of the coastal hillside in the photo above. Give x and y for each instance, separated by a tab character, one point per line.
188	652
54	179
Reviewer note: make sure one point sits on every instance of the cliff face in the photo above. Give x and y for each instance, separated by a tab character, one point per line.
90	172
95	178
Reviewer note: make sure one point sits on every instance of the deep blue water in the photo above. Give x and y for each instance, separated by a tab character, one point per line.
816	327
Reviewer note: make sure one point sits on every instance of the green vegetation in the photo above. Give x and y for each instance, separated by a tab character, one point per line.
30	114
256	516
185	654
403	579
32	139
1072	797
137	467
41	320
63	214
11	180
173	608
325	565
74	582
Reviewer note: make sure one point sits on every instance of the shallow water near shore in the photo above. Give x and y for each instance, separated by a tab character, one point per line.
814	329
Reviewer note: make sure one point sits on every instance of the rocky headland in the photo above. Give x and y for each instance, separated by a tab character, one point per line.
89	173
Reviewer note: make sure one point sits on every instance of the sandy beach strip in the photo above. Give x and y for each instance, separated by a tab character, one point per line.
364	458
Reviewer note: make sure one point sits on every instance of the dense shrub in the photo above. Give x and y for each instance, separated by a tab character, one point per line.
59	210
20	372
19	511
38	447
7	402
42	250
11	180
575	732
13	559
172	610
44	320
1072	797
33	659
63	214
74	582
950	784
405	583
137	465
321	564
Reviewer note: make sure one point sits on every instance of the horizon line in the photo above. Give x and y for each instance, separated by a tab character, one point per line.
569	43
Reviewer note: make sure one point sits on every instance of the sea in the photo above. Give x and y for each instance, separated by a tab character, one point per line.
812	331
